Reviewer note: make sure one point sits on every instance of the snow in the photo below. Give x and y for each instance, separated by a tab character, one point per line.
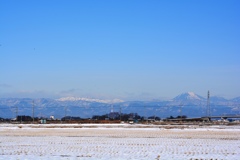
188	96
192	95
89	100
118	141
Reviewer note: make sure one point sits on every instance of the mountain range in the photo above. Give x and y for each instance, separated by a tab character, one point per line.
189	104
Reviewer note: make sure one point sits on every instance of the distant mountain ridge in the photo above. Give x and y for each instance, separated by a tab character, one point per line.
89	100
191	104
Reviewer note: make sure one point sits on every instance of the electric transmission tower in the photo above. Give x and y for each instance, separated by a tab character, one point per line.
33	110
16	112
208	112
120	113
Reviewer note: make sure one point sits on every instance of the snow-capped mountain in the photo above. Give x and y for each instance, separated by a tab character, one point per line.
89	100
189	98
191	104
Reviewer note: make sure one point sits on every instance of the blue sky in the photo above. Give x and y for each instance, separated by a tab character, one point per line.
132	50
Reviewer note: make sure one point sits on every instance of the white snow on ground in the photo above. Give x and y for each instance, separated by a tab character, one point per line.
115	141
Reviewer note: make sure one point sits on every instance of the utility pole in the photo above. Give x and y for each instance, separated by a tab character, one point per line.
33	110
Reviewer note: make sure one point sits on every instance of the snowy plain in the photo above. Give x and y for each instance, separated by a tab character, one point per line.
118	141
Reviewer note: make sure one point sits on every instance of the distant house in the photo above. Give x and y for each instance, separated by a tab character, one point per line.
52	118
130	120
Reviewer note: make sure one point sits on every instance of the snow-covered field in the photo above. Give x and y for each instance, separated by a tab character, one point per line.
118	142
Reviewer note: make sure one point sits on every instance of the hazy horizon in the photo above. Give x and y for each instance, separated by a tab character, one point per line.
113	99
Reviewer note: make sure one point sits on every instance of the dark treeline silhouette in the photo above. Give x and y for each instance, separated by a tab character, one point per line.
111	116
123	116
26	118
67	118
178	117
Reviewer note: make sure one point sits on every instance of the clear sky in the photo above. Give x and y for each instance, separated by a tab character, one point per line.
126	49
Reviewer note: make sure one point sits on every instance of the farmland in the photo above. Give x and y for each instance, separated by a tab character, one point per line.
118	141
